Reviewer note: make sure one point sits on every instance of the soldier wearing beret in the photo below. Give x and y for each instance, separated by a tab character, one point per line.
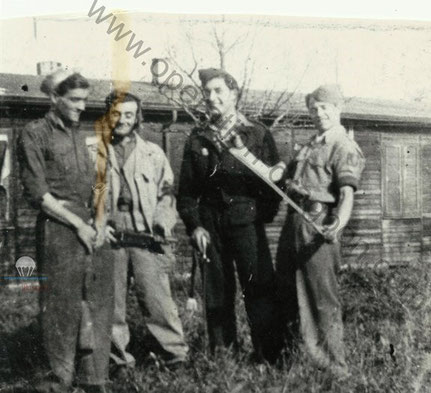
324	176
224	206
58	178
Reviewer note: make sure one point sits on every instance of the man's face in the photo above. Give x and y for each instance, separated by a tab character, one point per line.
122	117
220	100
72	104
324	114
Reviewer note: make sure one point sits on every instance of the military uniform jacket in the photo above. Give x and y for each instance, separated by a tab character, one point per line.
328	163
211	178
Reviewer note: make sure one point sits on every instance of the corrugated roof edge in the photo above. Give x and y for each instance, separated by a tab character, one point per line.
24	89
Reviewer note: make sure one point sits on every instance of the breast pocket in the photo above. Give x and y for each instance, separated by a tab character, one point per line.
57	165
318	169
316	160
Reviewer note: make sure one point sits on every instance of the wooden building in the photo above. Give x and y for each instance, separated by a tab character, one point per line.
392	215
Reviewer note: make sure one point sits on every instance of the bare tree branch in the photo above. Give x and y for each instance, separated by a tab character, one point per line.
219	43
181	104
189	74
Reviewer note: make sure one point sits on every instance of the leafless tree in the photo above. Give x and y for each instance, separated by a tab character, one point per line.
269	104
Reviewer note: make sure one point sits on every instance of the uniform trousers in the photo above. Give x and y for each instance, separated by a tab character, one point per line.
151	277
247	245
75	280
307	268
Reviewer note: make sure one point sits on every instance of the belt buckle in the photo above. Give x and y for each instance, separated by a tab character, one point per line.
314	208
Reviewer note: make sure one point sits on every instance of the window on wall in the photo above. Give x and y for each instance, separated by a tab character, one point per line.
401	177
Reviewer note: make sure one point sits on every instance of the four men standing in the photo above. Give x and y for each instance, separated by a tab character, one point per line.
224	206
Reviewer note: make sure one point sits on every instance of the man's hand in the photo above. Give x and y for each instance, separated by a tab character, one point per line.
237	142
192	305
293	186
109	234
87	234
332	230
161	230
201	238
341	215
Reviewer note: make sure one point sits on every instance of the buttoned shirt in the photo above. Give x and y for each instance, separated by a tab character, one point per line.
123	149
327	163
54	158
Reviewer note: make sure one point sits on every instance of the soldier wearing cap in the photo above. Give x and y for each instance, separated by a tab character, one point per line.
58	177
140	201
224	207
324	176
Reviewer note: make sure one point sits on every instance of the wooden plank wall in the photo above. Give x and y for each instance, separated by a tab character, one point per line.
362	240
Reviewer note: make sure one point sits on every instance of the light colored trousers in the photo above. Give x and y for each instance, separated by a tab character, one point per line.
150	271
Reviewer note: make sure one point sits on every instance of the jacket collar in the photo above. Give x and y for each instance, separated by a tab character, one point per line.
56	121
142	147
330	136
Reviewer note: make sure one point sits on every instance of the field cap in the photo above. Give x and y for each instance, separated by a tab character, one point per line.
326	93
51	81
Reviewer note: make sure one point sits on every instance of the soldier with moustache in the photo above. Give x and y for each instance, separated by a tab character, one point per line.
224	206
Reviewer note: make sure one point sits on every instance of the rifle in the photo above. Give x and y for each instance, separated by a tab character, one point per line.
141	240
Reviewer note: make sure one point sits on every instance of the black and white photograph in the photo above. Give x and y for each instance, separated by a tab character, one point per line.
214	200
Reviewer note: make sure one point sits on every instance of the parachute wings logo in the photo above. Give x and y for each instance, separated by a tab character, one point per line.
25	266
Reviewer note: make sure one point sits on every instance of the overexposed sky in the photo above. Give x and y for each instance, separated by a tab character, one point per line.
381	59
382	9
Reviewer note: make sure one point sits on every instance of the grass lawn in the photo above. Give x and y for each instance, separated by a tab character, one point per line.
387	316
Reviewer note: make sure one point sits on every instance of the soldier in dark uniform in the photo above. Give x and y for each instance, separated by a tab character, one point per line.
325	174
224	205
58	176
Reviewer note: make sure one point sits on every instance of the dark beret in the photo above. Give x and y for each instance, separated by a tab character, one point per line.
207	74
326	93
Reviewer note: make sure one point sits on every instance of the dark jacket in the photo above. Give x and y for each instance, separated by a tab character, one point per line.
211	178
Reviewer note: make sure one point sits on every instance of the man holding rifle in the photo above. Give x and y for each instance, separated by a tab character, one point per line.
324	176
141	207
224	206
58	178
